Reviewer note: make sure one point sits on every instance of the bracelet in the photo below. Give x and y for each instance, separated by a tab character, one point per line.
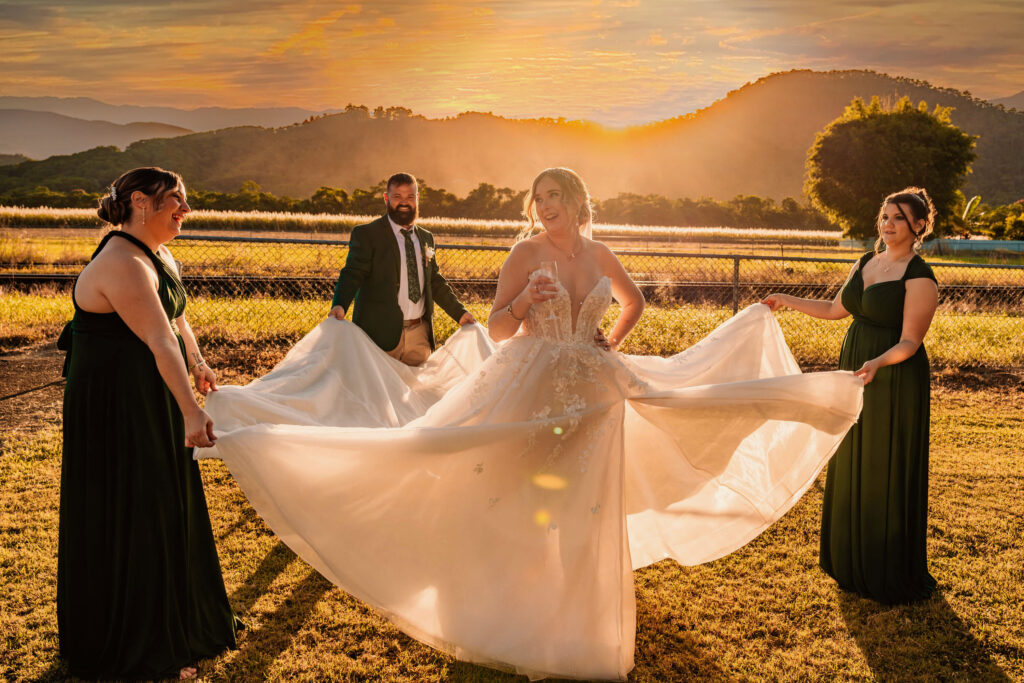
508	309
197	366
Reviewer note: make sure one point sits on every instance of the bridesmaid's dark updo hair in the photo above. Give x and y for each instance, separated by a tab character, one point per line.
116	206
916	205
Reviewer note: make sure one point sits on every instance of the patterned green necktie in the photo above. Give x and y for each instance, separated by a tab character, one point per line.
412	273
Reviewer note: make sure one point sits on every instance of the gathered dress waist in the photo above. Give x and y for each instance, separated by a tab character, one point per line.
874	323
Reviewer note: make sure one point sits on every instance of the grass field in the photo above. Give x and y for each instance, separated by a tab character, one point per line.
764	613
955	339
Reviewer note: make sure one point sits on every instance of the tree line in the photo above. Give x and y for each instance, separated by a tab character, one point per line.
1001	222
906	145
869	151
483	202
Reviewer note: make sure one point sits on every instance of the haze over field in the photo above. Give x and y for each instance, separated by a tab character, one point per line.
754	141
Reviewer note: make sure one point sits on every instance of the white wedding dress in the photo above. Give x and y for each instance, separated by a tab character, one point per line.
494	502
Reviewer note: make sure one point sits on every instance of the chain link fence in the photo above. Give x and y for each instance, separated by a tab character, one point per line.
279	288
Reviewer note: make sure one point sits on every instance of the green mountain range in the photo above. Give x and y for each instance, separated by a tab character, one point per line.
753	141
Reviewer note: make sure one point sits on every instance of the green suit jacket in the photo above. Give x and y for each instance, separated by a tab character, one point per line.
370	277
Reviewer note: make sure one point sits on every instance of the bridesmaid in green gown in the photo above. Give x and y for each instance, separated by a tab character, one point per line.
874	519
139	589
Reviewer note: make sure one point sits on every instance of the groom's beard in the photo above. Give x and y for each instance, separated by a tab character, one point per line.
403	214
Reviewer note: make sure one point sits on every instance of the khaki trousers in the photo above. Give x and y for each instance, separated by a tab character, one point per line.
413	346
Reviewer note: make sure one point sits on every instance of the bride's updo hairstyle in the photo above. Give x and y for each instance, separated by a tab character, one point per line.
116	206
574	193
916	205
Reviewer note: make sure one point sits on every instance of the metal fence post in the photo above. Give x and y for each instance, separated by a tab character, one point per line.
735	285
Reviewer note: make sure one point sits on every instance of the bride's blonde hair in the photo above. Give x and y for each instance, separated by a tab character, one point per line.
575	193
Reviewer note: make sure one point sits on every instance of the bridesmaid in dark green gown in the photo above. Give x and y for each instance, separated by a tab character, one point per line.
874	519
139	589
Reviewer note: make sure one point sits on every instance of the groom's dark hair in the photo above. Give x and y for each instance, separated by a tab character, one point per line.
402	179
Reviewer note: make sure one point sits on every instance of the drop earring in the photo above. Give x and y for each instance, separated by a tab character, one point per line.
143	215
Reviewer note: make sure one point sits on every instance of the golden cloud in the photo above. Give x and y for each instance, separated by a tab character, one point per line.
655	39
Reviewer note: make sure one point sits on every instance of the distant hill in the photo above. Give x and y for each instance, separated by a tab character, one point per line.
757	137
11	159
201	119
754	141
1012	102
39	134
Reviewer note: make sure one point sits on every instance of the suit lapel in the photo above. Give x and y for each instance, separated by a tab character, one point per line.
391	247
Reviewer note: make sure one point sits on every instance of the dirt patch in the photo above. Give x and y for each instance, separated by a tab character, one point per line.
31	388
241	363
1005	380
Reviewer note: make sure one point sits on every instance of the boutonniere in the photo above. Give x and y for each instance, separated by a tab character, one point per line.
429	253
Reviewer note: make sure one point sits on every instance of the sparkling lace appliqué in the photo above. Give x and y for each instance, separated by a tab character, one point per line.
568	425
553	319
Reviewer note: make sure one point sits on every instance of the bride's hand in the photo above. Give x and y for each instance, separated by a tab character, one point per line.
602	341
541	289
774	301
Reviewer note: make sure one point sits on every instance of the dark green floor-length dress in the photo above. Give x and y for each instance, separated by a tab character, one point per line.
875	515
139	588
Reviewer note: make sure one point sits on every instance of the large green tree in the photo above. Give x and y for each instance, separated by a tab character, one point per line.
870	152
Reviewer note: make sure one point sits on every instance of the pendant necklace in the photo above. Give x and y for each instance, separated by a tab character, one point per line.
886	269
568	255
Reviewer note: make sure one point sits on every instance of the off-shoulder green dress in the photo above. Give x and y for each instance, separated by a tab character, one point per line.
139	588
875	515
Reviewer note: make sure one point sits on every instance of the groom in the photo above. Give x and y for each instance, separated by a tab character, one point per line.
392	274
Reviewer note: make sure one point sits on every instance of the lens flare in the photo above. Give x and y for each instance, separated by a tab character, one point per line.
551	482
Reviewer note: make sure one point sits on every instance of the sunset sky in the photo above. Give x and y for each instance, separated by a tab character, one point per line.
617	62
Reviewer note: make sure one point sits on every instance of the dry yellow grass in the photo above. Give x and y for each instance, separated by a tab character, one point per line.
764	613
955	339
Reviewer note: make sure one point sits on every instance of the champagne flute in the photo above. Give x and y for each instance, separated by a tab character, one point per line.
550	269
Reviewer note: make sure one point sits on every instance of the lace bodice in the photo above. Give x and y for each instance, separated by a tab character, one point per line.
553	319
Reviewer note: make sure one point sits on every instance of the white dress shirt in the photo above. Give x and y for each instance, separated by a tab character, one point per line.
410	310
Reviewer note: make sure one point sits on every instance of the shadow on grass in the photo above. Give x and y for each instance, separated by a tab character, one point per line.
57	671
667	649
464	672
922	640
250	590
247	516
259	647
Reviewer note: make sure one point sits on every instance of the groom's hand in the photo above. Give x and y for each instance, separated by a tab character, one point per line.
337	312
467	319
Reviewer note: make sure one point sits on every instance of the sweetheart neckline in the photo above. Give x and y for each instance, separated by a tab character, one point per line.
589	292
583	301
585	296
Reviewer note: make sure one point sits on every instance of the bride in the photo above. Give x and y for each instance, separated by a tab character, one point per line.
494	502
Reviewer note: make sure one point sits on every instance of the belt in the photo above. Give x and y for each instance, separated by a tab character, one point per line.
411	323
